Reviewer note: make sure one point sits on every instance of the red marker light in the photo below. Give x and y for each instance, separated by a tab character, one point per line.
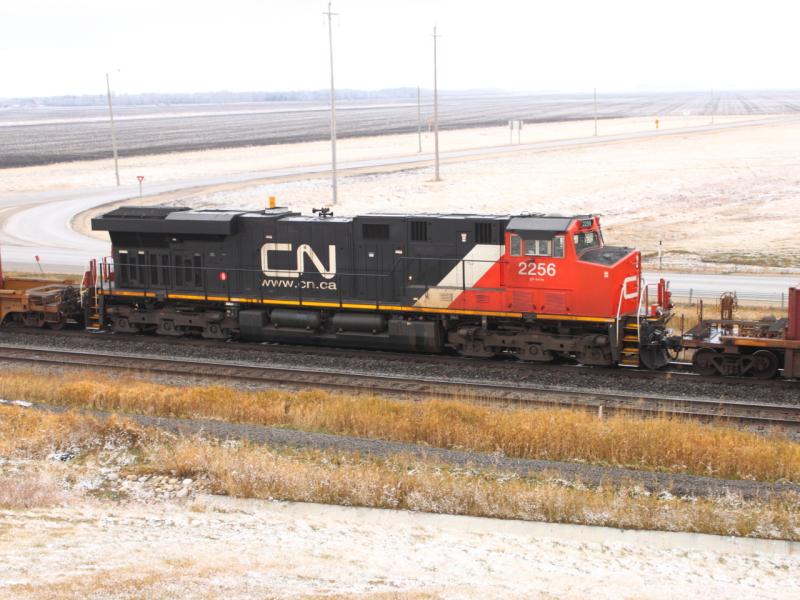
223	276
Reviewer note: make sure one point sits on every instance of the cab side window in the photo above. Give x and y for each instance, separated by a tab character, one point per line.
516	245
537	247
558	246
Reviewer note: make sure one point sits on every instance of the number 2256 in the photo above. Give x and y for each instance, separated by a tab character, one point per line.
540	269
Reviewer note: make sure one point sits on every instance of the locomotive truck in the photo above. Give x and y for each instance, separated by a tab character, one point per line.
534	286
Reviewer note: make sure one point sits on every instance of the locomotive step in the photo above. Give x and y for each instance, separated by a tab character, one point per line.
633	325
631	338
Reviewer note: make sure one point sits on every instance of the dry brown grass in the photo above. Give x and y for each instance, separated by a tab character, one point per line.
149	582
399	483
556	434
192	579
33	434
31	490
408	483
68	277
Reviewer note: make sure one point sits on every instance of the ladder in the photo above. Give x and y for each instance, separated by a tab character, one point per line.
630	343
93	307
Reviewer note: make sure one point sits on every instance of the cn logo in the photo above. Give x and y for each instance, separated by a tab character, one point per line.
630	287
303	250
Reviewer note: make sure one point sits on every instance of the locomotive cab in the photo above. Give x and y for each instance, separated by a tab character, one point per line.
532	286
560	266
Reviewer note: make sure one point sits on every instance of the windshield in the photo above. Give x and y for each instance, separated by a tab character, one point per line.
588	239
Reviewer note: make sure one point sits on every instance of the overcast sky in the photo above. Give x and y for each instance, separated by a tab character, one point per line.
53	47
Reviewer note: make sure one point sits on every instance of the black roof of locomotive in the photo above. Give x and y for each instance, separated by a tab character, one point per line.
177	220
182	220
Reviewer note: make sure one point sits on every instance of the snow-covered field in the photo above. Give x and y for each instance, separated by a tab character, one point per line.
209	163
212	547
719	201
714	198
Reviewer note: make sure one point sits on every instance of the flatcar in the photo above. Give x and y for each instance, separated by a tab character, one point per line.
537	287
38	303
737	347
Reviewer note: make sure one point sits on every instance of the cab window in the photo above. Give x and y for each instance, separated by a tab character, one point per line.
587	239
516	245
537	247
558	246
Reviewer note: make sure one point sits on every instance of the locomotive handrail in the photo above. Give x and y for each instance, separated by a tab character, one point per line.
619	311
639	309
145	282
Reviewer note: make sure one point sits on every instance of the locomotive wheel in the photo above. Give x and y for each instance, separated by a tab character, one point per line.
703	361
57	325
765	364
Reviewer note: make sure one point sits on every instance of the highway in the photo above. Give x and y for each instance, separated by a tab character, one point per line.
39	224
750	289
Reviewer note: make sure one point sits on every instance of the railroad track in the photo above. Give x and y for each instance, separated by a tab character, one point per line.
676	369
749	413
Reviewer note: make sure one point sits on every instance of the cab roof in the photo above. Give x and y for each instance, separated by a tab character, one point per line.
540	224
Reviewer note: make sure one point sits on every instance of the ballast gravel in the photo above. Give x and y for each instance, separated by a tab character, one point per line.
556	376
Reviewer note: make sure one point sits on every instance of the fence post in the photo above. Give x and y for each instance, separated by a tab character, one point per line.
690	295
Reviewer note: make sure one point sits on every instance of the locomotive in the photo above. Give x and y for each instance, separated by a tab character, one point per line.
533	286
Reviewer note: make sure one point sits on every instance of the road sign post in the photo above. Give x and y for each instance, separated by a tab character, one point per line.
141	179
512	125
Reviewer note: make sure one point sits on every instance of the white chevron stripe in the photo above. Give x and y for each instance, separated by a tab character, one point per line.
464	275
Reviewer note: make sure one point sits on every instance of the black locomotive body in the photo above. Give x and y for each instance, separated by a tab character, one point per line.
533	286
204	271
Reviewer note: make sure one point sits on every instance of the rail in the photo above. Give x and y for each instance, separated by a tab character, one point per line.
706	409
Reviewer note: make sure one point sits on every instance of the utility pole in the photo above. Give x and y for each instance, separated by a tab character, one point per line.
435	108
330	16
419	121
595	112
113	131
713	108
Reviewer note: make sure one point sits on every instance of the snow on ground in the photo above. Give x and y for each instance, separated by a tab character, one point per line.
213	547
209	163
727	195
720	200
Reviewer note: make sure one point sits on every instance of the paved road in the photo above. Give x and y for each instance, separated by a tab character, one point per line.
38	224
748	288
